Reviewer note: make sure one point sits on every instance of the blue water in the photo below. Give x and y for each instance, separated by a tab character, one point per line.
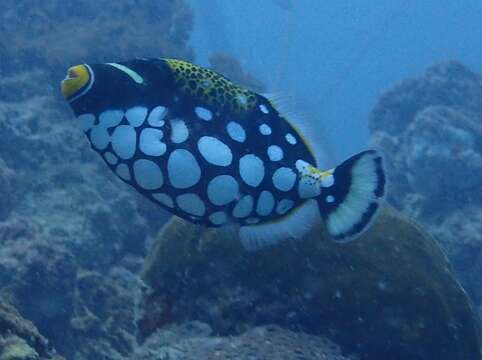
336	57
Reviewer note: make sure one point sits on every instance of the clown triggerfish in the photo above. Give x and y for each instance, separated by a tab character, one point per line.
217	154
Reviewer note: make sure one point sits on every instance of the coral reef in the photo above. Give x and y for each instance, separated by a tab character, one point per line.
56	33
63	213
191	341
391	292
429	129
20	339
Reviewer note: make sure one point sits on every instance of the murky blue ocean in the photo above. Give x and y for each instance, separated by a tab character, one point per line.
240	179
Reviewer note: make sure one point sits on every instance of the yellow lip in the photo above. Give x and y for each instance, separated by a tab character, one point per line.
77	78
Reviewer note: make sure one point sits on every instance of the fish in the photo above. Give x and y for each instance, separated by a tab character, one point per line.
218	154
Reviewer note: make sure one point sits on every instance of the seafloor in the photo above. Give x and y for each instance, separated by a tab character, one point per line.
87	273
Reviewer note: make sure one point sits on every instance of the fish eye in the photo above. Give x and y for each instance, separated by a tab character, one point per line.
78	81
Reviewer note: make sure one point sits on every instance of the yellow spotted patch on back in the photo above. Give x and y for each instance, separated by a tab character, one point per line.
210	86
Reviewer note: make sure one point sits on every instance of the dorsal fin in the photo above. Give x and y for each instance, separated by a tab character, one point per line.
286	106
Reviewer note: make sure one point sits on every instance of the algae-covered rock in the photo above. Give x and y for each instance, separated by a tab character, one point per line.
389	295
20	339
429	128
260	343
15	348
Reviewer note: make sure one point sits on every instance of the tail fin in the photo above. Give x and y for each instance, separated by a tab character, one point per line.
351	202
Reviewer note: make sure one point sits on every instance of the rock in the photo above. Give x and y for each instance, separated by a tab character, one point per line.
104	318
40	283
20	339
159	28
390	295
261	343
430	131
15	348
448	84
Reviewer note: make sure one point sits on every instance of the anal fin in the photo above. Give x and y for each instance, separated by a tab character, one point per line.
292	226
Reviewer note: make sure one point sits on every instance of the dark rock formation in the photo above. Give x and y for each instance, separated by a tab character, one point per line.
430	130
389	295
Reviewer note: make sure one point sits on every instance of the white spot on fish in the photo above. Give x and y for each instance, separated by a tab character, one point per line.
244	207
251	169
215	151
308	188
123	171
330	199
136	115
124	141
265	203
284	206
242	99
150	142
327	181
302	166
236	132
110	158
183	169
291	139
110	118
265	129
275	153
157	116
148	174
191	203
222	190
203	113
164	199
86	121
179	131
206	83
218	218
264	109
284	179
252	220
99	137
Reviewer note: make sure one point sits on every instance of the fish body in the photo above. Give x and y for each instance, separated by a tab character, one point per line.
215	153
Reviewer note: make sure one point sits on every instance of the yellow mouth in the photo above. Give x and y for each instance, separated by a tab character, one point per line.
77	78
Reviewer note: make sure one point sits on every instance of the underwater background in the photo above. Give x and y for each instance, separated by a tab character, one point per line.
91	270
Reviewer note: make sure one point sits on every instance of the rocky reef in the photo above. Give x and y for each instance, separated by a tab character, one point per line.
192	341
390	295
67	259
20	339
430	130
55	34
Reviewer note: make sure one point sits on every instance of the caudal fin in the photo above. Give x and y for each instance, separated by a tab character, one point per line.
350	204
